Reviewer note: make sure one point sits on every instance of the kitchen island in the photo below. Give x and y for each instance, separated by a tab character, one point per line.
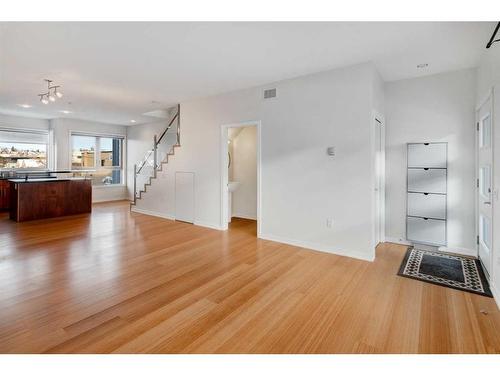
41	198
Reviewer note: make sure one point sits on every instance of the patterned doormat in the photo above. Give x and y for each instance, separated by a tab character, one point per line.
452	271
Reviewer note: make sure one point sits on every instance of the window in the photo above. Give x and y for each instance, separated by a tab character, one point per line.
83	151
110	152
101	154
485	231
23	149
485	132
485	181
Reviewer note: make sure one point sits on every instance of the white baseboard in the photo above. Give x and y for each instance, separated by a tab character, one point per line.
398	241
153	213
454	250
207	225
244	216
172	217
124	198
319	247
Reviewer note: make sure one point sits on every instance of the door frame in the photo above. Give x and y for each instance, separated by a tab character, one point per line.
378	230
225	172
488	96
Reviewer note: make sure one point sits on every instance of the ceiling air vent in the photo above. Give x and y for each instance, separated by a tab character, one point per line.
270	93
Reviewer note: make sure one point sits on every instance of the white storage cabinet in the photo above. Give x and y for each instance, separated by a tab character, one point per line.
427	172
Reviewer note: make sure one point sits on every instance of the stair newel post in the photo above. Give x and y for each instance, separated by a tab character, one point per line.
135	183
155	155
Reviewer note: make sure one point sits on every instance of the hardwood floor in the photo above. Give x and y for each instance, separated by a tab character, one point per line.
121	282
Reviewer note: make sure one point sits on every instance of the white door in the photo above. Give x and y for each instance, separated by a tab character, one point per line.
484	220
379	181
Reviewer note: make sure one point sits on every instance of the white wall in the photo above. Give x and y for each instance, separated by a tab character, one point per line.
309	114
7	121
489	80
378	93
488	72
62	129
437	108
231	134
244	167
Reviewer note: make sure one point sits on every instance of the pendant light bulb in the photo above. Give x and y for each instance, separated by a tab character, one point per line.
52	93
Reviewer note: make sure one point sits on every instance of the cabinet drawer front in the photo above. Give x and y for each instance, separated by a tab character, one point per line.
427	181
427	205
430	155
426	231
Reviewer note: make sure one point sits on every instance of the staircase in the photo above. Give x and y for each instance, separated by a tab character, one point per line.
163	147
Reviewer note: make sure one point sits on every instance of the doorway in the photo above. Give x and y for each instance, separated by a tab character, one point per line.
240	173
379	179
484	173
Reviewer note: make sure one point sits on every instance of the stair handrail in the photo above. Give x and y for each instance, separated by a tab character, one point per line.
168	127
156	142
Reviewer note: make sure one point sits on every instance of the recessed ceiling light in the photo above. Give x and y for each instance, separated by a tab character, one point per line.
133	121
421	66
65	112
24	105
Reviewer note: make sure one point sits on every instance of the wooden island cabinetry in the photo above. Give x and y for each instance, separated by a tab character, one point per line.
46	198
4	195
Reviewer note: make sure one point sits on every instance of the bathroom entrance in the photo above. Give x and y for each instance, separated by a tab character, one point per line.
240	185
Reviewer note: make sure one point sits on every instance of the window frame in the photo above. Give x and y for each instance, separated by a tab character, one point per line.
99	150
484	171
48	151
482	133
97	156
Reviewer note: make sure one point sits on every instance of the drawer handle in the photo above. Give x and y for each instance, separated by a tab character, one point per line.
426	169
426	144
425	218
426	193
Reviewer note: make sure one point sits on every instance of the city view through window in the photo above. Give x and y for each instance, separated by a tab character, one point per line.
23	155
102	154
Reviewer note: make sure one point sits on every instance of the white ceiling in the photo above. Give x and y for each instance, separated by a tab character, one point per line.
111	72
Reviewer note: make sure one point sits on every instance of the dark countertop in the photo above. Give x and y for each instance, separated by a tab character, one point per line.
50	179
19	178
18	174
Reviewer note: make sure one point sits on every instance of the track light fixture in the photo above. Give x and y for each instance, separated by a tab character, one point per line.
58	93
43	98
53	92
492	39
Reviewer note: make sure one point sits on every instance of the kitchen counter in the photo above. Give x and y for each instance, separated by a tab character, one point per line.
18	174
43	198
47	179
